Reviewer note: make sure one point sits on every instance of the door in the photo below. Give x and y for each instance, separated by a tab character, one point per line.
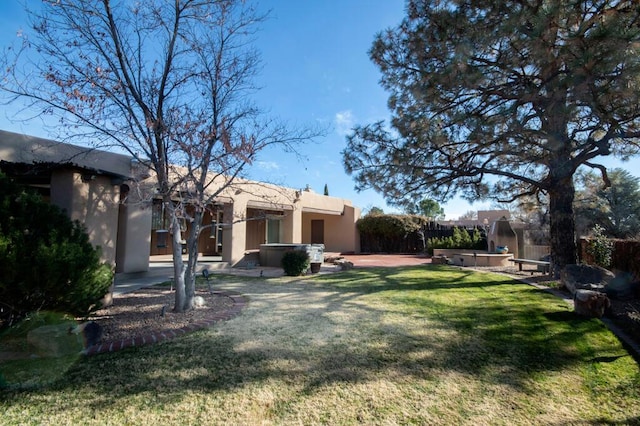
317	232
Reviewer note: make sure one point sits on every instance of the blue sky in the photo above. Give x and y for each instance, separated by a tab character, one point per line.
316	70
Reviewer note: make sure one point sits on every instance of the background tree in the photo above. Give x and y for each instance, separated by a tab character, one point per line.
374	211
428	208
469	215
169	82
616	209
533	212
506	112
326	189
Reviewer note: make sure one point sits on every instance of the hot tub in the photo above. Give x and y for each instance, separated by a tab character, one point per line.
271	254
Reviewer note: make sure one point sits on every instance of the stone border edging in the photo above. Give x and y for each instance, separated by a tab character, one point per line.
239	302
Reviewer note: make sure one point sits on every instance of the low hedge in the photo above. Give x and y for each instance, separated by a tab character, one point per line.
295	262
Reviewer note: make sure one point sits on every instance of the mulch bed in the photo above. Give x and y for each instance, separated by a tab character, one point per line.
150	310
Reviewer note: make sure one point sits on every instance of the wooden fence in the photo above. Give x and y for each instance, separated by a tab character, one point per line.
535	252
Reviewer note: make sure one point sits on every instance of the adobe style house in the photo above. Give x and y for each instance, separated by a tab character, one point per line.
112	196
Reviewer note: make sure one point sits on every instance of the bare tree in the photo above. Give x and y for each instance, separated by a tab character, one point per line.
469	215
169	82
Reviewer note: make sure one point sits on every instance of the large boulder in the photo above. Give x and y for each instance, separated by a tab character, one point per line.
585	277
589	303
344	265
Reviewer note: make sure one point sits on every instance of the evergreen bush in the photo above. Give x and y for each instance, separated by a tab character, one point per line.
600	247
295	262
46	260
461	239
391	233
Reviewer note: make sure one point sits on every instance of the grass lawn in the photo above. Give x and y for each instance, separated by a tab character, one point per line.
409	345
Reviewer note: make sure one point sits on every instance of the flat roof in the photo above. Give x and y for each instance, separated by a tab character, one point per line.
25	149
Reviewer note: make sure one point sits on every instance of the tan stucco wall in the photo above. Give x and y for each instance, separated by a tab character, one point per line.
340	217
293	226
294	205
352	215
310	200
62	191
134	237
234	236
93	202
340	233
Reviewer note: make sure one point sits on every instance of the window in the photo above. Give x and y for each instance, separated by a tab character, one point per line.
216	230
159	219
274	230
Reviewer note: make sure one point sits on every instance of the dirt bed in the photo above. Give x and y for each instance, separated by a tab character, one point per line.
150	310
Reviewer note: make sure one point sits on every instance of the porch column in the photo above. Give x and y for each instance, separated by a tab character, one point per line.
234	232
292	223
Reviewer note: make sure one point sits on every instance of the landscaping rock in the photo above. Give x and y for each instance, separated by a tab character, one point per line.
54	340
585	277
589	303
344	265
439	260
332	258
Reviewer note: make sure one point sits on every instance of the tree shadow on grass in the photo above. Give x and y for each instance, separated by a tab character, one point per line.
428	277
356	328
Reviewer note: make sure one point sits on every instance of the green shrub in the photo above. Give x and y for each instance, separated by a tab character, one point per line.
461	239
46	260
295	262
600	247
391	233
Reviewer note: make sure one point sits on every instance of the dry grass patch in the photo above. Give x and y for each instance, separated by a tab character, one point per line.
424	345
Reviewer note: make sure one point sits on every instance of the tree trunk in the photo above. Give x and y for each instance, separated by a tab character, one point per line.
190	275
563	242
192	262
178	265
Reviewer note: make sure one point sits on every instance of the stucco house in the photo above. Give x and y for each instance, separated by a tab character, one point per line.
112	195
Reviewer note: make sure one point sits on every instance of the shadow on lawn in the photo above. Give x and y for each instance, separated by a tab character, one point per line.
371	280
356	327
